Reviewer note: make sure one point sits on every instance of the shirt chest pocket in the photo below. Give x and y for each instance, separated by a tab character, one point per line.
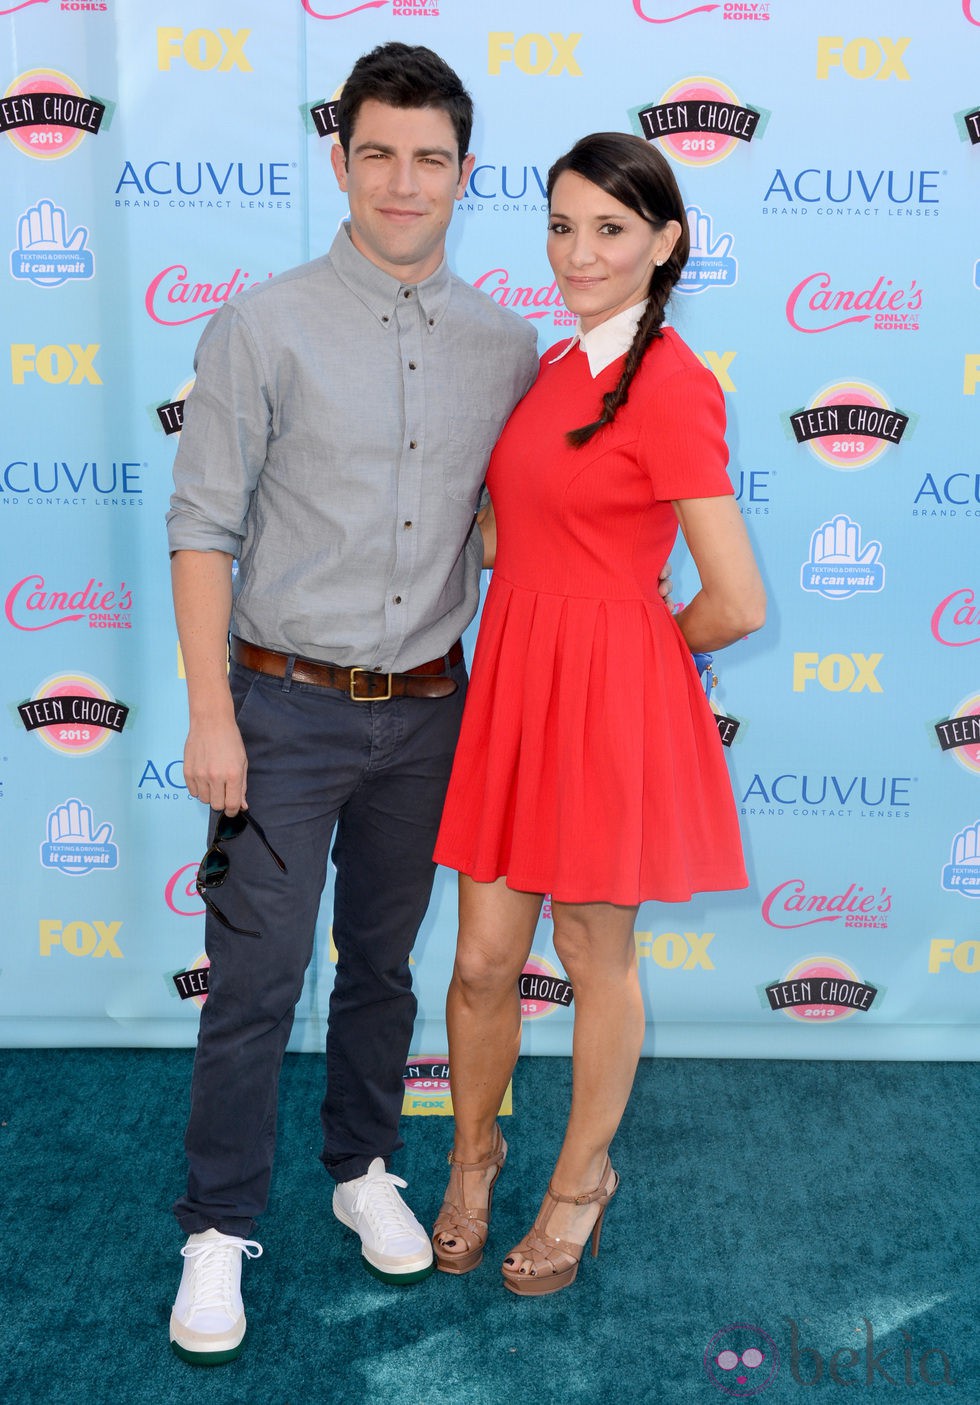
471	435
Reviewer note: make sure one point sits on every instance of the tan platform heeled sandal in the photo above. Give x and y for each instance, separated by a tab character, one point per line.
549	1263
459	1234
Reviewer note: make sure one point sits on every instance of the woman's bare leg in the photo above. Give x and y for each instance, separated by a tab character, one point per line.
596	945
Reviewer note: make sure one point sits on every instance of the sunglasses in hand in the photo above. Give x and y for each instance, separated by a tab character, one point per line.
213	869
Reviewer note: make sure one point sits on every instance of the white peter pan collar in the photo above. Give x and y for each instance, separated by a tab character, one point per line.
607	342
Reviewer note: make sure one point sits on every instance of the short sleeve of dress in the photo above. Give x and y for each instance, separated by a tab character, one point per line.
682	441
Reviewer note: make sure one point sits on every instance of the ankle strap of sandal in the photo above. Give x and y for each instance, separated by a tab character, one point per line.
493	1160
589	1197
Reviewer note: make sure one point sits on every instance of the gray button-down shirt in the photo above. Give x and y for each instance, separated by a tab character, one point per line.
335	441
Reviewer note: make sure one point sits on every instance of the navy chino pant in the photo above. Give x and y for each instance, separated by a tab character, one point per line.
371	776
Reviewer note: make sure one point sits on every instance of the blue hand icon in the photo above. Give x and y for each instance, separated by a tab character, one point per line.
840	540
71	823
839	566
711	261
47	254
74	846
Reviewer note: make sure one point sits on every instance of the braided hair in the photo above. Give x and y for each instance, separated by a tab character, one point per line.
636	174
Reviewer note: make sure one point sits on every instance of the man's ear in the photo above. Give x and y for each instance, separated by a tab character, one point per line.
339	163
465	171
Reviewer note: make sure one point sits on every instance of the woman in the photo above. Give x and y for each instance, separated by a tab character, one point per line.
589	765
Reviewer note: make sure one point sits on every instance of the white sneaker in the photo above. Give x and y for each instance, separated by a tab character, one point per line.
394	1246
207	1324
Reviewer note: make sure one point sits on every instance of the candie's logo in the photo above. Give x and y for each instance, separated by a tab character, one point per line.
741	10
316	14
172	292
46	115
820	988
532	303
400	9
180	892
699	121
848	425
791	904
74	714
956	619
32	605
816	305
840	565
542	989
959	734
962	873
639	9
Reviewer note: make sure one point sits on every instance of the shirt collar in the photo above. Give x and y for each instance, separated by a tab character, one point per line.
608	341
379	291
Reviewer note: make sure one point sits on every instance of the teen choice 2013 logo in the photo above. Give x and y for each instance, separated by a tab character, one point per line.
698	121
46	114
73	714
849	424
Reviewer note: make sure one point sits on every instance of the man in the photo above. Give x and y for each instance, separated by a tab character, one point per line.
334	443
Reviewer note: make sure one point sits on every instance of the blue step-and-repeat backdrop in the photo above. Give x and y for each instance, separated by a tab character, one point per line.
157	160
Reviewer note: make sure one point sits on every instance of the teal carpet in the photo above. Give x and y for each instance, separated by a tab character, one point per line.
827	1214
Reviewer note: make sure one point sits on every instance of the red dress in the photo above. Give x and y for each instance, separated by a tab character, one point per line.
589	764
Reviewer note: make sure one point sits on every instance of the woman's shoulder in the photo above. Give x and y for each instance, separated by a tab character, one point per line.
670	353
670	363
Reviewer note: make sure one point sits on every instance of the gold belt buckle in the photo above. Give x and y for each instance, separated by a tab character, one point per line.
382	697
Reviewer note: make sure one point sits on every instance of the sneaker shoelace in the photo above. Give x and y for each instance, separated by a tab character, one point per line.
213	1285
378	1197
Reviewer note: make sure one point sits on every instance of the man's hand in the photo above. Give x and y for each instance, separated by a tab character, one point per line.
214	756
215	766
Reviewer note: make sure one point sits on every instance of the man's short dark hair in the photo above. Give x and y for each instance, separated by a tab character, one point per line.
405	75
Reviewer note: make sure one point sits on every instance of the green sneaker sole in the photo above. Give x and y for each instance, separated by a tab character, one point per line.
207	1358
398	1279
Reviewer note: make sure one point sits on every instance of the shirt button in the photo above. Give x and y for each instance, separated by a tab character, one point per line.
413	443
384	318
407	525
411	365
407	293
432	321
397	599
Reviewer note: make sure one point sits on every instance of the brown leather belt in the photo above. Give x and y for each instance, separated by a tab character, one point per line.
428	680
